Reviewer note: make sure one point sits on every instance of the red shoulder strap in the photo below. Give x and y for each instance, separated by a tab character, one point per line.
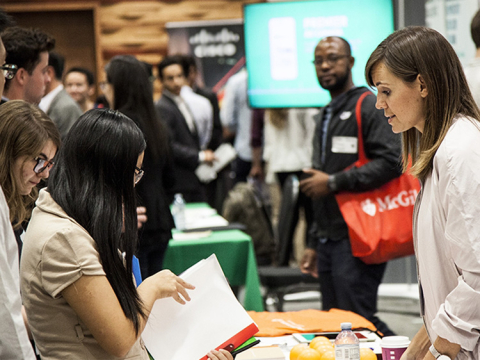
362	158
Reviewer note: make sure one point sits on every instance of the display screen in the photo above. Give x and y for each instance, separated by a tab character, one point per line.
280	39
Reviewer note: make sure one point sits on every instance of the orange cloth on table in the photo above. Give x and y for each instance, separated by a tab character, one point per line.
306	321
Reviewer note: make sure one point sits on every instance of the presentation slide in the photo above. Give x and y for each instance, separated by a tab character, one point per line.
280	40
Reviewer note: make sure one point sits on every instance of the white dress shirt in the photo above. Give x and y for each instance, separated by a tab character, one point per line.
237	115
202	112
14	342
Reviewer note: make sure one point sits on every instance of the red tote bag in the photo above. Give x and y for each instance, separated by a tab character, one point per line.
379	221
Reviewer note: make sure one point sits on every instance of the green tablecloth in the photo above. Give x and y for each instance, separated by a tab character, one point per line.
235	253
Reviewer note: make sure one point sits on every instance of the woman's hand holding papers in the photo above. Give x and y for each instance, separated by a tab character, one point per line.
168	284
220	355
162	285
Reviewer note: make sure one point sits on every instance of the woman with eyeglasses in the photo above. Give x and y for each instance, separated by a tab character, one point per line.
28	143
128	89
76	268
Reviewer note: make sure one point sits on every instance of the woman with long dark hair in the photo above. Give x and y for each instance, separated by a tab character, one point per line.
128	89
76	270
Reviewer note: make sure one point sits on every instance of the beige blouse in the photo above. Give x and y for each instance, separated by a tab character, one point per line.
57	251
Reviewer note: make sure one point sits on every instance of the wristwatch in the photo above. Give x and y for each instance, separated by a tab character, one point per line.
437	355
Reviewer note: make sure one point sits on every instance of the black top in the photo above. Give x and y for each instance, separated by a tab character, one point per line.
382	147
153	188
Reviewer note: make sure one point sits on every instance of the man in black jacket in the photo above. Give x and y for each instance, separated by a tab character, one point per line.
346	282
183	135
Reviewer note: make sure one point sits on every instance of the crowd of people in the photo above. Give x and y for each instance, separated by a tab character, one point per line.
76	281
86	185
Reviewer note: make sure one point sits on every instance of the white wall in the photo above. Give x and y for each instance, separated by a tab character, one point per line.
452	18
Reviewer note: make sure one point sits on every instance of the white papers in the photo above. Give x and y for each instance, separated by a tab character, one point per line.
191	235
190	331
203	218
210	222
225	153
262	353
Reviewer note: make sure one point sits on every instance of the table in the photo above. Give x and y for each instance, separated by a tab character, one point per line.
287	342
235	253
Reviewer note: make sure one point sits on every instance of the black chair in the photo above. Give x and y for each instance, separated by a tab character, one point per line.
281	279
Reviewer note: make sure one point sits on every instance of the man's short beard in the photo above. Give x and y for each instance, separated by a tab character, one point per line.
339	84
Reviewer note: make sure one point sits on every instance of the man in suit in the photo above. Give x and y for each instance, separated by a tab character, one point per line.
183	135
58	105
191	73
217	188
28	49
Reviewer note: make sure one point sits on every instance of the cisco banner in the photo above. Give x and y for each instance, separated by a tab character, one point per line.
218	47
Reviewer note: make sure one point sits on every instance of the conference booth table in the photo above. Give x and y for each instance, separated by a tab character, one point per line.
235	253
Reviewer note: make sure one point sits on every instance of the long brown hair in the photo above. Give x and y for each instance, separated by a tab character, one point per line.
419	50
24	131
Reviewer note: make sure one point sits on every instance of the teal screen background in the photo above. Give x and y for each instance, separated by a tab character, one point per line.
279	52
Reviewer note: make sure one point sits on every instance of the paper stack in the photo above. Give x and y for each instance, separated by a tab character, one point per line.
213	319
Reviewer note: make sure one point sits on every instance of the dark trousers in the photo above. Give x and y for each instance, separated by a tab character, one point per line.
217	190
151	251
241	169
348	283
303	202
197	195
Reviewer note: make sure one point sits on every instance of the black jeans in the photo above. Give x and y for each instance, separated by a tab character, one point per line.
347	283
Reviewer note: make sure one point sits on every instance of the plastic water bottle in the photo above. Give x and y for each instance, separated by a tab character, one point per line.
347	346
178	211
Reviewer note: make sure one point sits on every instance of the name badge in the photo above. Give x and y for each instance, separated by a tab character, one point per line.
344	145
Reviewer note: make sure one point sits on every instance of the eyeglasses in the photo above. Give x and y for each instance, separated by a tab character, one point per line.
9	71
42	164
138	175
330	60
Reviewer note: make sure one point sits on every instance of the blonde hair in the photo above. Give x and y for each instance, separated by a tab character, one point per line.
24	130
278	117
418	50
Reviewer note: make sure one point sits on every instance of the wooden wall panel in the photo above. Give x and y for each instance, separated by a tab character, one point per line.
119	27
139	27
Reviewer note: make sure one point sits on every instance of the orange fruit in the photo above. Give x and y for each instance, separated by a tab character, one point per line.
328	355
320	339
367	354
296	350
309	354
321	347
